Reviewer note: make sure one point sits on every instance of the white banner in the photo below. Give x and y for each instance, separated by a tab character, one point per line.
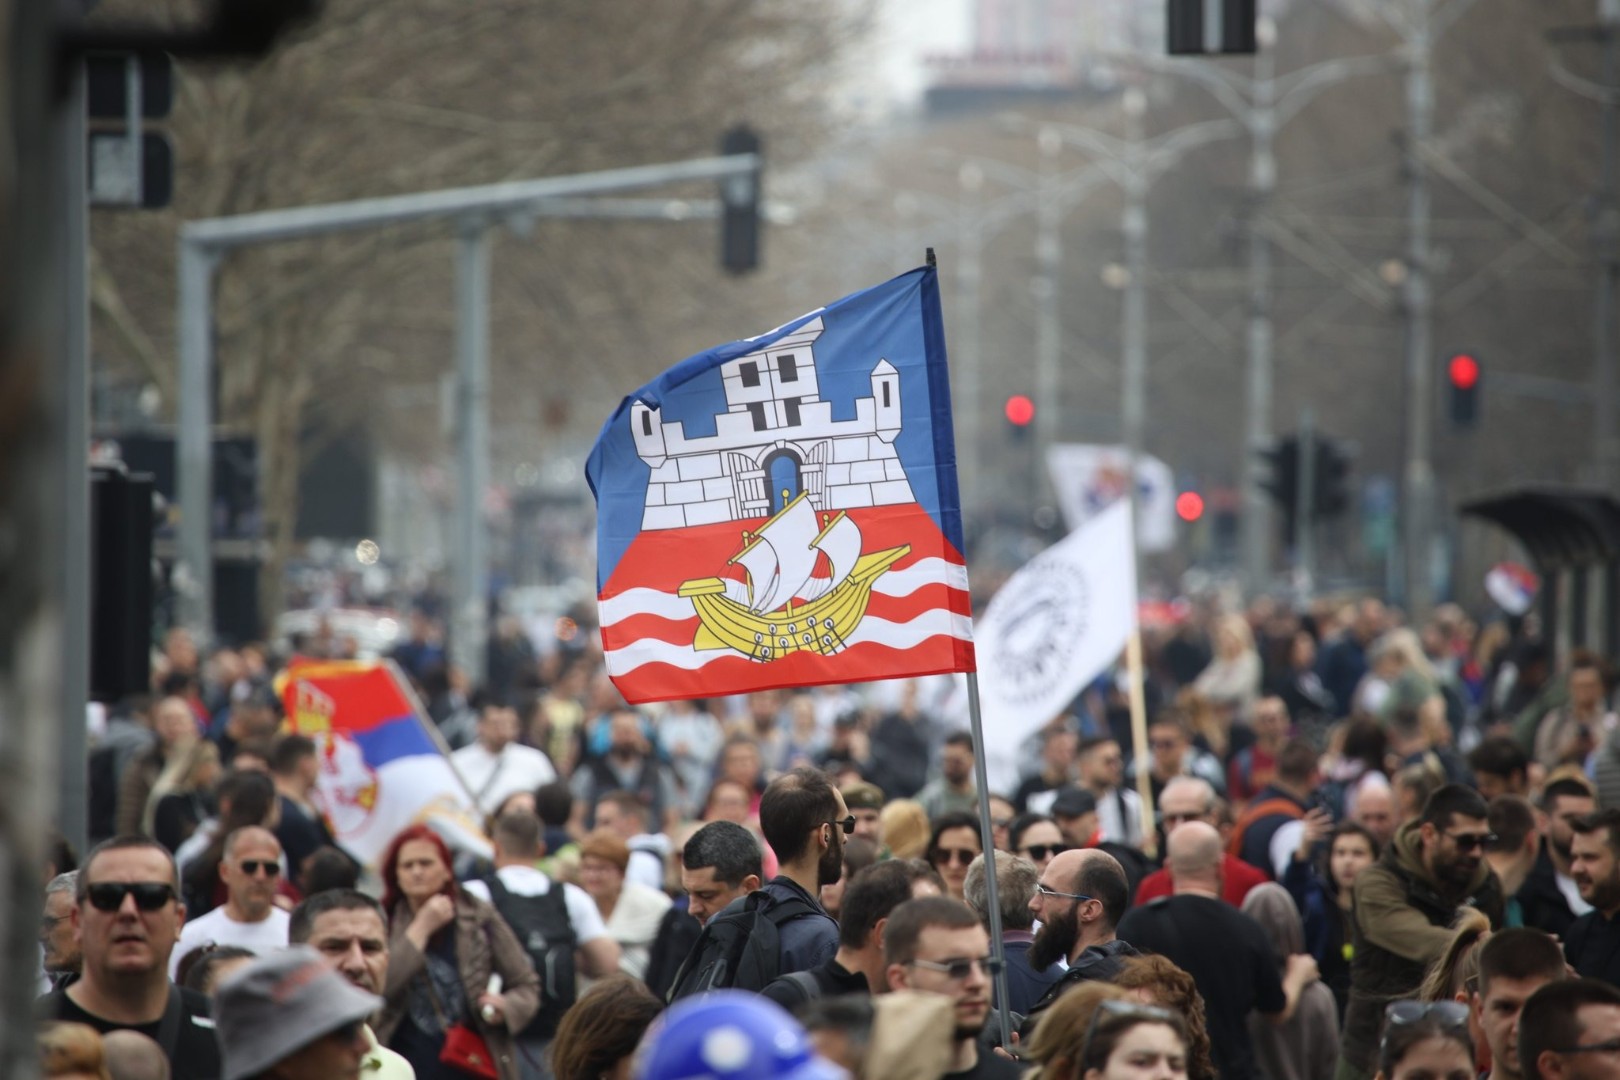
1089	478
1057	624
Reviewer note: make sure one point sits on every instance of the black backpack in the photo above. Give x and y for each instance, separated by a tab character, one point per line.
546	933
740	948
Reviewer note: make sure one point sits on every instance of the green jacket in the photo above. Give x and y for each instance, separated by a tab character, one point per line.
1401	920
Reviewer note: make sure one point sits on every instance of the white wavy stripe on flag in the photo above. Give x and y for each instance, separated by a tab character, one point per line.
906	635
895	583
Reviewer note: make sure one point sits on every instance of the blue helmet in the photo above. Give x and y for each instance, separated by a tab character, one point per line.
729	1035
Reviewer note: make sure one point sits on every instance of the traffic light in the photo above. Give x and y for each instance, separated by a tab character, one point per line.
1280	478
1330	484
1189	506
1020	413
1462	376
1204	27
739	205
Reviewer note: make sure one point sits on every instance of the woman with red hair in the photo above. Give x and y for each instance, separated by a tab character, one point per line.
443	946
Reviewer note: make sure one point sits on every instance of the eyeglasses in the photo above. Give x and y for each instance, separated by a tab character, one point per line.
956	970
1040	851
253	867
1042	890
1470	841
47	923
1123	1010
1000	822
1451	1015
960	856
149	895
848	825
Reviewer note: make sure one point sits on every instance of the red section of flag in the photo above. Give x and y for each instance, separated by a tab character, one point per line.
344	695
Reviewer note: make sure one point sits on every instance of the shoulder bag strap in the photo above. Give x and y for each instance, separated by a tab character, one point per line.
169	1026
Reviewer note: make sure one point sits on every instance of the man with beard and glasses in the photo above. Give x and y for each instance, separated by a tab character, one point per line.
804	820
1079	900
1549	897
1405	905
1225	950
1593	940
936	945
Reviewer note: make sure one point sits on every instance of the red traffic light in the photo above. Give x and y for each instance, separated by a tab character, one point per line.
1020	410
1189	506
1463	371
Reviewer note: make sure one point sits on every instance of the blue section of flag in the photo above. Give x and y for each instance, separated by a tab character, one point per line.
899	321
394	739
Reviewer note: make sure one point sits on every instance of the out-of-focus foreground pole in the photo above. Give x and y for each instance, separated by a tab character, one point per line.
1606	237
34	235
470	562
1418	497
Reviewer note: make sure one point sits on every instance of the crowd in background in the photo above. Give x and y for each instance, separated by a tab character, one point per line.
1355	823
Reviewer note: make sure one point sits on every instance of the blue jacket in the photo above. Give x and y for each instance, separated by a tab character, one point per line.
1025	985
807	942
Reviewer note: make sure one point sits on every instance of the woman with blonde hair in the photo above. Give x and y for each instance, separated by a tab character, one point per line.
1089	1031
1232	679
905	828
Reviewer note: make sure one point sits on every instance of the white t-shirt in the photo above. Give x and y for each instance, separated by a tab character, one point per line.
495	777
218	928
527	881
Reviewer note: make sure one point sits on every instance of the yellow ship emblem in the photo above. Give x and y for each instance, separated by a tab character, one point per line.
783	607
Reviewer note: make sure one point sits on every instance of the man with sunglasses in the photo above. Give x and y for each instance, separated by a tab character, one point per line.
804	819
127	920
1188	798
1404	907
936	945
249	918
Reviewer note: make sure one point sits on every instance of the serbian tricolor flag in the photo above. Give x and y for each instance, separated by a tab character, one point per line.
782	511
380	767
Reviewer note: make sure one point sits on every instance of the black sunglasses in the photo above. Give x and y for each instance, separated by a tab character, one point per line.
1471	841
1039	851
252	867
848	825
961	856
149	895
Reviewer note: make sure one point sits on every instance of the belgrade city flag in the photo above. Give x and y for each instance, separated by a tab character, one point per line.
380	770
1057	624
782	510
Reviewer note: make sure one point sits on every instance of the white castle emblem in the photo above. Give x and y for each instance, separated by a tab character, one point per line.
777	440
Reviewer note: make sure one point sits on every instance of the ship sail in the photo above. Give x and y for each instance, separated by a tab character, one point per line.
781	558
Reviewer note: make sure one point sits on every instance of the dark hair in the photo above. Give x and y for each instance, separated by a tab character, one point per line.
259	748
327	868
1353	828
960	738
1499	755
554	802
920	870
1101	877
1521	952
1586	658
1549	1019
518	832
287	751
1365	741
1453	801
1565	787
909	919
727	847
1296	761
956	819
872	895
602	1028
1400	1038
1021	824
850	1015
81	885
792	807
61	853
1511	819
250	796
390	864
196	969
1087	745
302	923
1601	819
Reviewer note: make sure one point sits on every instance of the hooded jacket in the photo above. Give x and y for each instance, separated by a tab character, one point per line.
1401	924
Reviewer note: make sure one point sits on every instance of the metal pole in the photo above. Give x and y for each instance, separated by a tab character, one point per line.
992	899
1418	497
1262	184
72	798
1134	227
1049	346
1305	501
970	282
194	568
470	566
1606	237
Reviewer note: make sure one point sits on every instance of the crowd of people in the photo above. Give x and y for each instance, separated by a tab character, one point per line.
1370	849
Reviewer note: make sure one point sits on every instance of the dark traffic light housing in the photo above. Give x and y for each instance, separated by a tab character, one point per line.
740	205
1463	371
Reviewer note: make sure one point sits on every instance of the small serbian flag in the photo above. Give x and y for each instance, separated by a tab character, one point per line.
380	769
782	511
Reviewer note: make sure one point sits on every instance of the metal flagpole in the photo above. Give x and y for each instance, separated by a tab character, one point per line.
431	728
992	901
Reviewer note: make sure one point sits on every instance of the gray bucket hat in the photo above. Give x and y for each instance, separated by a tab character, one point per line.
268	1010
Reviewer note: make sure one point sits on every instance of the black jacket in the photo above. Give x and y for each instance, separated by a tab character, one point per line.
677	933
1099	963
1540	899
